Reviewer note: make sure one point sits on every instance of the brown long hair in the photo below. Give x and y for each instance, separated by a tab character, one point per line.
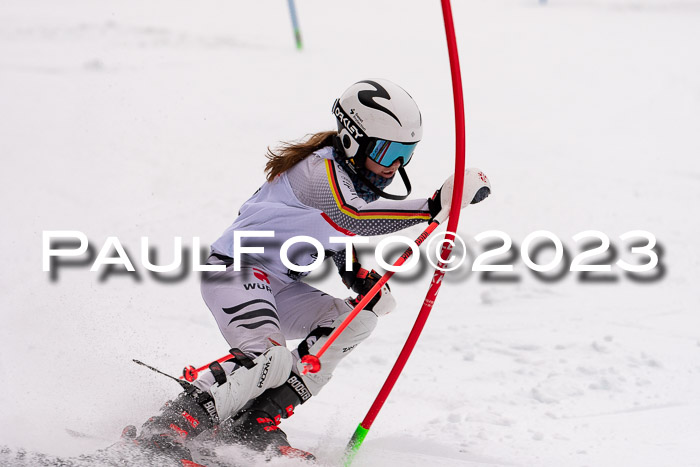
290	153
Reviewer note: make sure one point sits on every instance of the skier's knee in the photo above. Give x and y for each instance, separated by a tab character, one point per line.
357	331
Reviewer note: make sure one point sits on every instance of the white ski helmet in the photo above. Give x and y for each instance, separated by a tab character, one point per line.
379	120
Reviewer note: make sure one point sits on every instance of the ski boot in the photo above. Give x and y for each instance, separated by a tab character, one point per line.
164	435
257	425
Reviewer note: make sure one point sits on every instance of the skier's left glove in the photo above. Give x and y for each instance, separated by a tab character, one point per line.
477	188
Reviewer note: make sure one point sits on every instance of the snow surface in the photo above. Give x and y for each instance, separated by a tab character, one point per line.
130	118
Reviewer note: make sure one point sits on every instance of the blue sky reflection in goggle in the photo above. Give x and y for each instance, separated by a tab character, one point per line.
386	152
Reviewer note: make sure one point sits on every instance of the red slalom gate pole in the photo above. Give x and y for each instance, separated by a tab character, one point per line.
363	428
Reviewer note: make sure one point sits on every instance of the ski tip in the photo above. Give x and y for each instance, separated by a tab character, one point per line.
186	463
129	432
295	453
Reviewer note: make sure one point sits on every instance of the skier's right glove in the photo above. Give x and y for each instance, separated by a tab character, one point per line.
360	280
364	281
476	189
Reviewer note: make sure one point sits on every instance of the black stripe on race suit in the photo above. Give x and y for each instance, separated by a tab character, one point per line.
255	314
237	308
258	324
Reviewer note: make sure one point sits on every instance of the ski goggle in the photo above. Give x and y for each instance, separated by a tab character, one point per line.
385	152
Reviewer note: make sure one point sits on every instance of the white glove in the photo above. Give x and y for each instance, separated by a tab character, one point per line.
476	189
386	303
383	303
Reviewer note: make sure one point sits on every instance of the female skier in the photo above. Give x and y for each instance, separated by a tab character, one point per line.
331	185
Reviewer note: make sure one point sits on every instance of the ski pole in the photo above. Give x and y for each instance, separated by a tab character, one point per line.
363	428
311	363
